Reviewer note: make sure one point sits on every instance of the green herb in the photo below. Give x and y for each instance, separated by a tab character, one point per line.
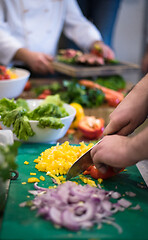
54	87
114	82
74	92
7	160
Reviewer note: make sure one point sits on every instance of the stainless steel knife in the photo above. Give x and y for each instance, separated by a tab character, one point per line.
81	164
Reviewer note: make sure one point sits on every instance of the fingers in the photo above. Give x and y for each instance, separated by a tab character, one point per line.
42	64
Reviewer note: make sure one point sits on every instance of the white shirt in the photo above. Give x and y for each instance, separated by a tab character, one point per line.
37	25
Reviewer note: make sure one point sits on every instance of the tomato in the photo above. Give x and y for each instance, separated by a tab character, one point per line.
95	173
91	127
113	102
42	96
27	86
46	92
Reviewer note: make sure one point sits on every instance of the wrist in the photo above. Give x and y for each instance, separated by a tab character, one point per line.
22	54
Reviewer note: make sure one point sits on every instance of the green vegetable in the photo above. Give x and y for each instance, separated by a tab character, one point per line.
7	105
16	114
7	160
114	82
54	87
65	59
74	92
22	103
22	128
53	99
50	122
46	110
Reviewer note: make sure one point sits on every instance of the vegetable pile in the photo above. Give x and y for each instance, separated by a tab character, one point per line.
77	207
95	58
6	73
58	159
74	92
18	115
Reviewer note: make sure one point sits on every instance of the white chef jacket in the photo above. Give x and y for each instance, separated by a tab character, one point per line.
37	25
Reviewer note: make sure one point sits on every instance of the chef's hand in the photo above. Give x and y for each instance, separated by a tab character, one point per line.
115	151
37	61
131	112
103	50
120	151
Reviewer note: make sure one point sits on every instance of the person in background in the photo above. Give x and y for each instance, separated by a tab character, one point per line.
117	149
30	31
103	14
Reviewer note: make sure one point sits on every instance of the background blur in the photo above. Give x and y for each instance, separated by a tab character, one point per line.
131	31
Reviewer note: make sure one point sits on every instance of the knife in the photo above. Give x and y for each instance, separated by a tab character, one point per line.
81	164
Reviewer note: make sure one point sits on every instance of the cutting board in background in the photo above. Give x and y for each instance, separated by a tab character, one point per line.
22	223
93	71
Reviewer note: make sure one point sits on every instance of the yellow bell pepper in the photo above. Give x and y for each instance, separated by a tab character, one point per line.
79	114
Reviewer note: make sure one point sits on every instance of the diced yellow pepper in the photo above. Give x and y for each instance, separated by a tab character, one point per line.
23	183
33	174
33	179
26	162
42	178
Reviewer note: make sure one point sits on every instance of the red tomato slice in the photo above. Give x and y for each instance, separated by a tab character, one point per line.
95	173
27	86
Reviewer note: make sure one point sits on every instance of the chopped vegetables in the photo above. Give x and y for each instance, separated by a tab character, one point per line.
58	159
7	73
42	178
26	162
33	180
76	207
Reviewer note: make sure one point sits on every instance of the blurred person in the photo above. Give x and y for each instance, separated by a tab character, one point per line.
30	31
103	14
117	149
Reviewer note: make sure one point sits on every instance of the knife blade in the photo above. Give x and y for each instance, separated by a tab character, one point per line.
81	164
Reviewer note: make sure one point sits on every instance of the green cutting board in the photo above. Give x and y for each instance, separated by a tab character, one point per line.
22	223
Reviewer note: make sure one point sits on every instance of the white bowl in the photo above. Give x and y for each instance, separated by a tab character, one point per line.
12	88
48	135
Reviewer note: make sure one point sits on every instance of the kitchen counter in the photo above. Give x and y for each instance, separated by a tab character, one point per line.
103	111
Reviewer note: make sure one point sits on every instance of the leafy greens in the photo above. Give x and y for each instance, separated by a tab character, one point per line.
17	115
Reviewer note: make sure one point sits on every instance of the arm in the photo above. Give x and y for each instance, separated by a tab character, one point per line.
8	44
131	112
37	61
120	151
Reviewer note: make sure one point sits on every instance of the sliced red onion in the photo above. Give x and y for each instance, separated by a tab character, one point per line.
39	188
124	203
55	215
137	207
75	206
115	195
130	194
